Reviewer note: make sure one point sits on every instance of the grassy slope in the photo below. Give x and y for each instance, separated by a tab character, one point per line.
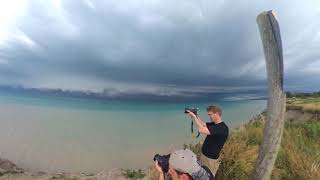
298	158
299	155
307	103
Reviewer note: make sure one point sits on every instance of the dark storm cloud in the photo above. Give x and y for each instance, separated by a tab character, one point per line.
157	47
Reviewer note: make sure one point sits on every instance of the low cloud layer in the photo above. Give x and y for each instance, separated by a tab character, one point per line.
159	47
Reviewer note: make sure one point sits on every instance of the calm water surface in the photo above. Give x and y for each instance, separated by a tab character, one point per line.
55	134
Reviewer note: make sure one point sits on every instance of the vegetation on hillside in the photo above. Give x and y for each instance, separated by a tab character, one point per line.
133	174
298	157
307	102
302	95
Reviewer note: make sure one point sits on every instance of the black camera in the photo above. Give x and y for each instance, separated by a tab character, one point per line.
194	110
163	161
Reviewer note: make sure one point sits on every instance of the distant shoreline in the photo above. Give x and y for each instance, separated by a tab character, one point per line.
135	97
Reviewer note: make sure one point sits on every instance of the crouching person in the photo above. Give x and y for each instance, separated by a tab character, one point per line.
182	165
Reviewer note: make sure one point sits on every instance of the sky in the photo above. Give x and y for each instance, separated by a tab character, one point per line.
155	47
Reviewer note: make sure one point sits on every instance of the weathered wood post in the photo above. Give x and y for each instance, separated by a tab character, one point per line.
271	40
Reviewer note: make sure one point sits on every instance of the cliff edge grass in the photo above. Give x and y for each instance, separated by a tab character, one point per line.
299	155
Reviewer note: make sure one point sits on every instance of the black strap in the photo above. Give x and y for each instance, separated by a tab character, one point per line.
209	172
192	129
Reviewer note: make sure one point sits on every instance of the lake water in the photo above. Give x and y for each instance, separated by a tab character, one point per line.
67	134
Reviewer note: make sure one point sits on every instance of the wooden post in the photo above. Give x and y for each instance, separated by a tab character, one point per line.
271	40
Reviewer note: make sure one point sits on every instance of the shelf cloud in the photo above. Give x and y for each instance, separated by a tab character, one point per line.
156	47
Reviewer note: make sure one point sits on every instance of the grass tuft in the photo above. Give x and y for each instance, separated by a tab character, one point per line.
133	174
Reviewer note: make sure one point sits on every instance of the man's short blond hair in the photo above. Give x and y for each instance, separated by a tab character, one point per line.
214	109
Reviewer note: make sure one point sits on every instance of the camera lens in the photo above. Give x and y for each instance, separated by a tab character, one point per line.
156	157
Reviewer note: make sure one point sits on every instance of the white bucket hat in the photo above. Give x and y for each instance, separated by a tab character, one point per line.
185	161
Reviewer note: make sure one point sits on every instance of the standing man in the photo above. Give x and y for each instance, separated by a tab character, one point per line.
217	133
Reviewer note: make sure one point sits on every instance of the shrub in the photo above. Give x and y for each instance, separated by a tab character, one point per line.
133	174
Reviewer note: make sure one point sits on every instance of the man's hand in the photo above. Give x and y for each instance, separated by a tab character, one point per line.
191	114
173	172
159	169
201	125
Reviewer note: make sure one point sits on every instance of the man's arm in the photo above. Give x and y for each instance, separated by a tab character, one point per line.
201	125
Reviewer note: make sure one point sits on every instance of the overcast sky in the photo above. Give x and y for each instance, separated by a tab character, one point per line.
159	47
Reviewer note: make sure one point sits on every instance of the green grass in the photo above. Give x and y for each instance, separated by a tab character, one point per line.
8	172
133	174
196	148
307	103
65	178
299	151
299	154
71	178
302	95
298	157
